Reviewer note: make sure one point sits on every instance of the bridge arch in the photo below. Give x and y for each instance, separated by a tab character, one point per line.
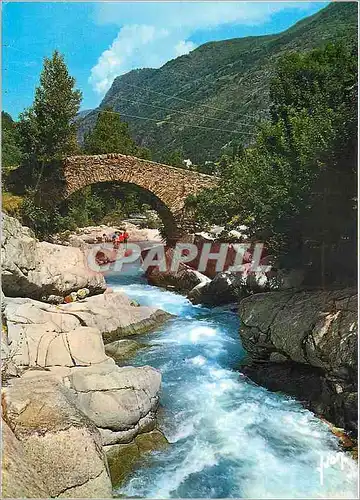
169	186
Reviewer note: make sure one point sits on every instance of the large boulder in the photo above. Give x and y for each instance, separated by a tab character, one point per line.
225	288
41	270
55	434
68	340
122	402
183	279
228	287
115	315
55	416
40	334
293	336
19	477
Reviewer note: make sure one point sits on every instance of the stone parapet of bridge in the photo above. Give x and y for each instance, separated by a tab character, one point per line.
169	186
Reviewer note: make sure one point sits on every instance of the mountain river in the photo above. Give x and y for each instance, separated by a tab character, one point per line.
229	437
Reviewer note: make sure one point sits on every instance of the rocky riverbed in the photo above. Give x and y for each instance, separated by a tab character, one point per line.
76	418
83	237
73	421
299	341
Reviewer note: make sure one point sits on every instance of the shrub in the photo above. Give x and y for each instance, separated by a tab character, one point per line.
11	203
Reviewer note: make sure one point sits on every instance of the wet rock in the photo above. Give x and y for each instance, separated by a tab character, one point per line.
230	287
305	343
196	293
123	349
182	280
122	458
225	288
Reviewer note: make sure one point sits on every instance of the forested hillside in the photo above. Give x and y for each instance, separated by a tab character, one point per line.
215	95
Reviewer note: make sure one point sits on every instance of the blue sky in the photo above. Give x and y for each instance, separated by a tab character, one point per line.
101	40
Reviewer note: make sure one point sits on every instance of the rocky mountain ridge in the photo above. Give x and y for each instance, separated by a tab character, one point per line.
220	86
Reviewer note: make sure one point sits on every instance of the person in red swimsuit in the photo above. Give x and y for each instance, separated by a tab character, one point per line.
120	238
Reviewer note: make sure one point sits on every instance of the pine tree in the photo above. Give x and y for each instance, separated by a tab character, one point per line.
110	135
48	127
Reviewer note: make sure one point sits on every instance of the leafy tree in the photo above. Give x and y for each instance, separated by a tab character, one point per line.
41	220
48	127
307	149
144	153
85	207
11	154
110	135
47	132
174	158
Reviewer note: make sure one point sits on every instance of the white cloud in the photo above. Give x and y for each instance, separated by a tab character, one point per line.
184	47
152	33
128	50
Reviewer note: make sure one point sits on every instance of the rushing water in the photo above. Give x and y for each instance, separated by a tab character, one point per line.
229	437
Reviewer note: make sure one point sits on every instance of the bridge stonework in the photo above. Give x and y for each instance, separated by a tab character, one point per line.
170	186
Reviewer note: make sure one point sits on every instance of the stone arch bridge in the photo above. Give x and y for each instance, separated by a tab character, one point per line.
169	186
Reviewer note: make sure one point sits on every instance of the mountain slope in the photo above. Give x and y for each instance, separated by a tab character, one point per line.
201	101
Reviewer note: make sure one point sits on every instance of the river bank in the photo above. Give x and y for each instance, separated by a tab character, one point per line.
301	340
63	395
304	343
228	436
71	416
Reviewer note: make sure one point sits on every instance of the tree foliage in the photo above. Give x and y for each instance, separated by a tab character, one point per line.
311	135
110	135
48	127
173	157
11	154
47	132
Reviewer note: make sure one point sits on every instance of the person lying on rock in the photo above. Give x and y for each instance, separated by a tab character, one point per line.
77	296
70	298
82	293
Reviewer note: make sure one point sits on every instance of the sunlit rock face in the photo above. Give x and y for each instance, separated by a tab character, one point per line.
41	270
45	335
53	433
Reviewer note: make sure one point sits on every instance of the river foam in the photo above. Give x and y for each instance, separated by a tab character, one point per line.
230	437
